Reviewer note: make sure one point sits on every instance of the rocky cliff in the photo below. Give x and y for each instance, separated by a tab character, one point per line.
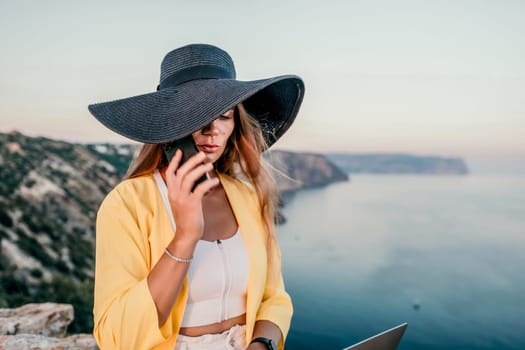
295	171
49	194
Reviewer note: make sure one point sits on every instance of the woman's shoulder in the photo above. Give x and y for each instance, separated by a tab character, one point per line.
135	189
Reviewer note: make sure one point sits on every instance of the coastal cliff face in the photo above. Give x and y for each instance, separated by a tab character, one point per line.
295	171
49	194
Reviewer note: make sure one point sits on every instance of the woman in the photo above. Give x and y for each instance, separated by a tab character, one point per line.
181	265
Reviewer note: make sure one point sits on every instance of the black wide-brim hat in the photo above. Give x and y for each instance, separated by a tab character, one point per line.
198	84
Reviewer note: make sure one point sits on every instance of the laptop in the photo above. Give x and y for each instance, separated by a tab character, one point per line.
387	340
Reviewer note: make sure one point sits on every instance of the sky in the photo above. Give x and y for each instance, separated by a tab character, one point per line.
425	77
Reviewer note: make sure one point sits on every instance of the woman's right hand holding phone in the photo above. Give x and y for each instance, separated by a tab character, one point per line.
186	204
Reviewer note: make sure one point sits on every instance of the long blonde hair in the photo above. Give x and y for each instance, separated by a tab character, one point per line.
243	154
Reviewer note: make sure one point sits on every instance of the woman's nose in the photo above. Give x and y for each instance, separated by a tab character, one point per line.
211	129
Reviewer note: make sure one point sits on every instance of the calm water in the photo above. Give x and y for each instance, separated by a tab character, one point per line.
444	253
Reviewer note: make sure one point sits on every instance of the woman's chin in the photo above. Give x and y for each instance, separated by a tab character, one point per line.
211	159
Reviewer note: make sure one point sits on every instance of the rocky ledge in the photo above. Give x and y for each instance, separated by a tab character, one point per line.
41	327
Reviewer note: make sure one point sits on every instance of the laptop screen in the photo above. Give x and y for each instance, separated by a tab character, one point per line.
387	340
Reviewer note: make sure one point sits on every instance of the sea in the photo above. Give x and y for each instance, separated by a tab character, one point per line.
446	254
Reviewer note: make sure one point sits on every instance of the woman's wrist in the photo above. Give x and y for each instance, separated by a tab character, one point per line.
182	248
256	346
262	343
267	334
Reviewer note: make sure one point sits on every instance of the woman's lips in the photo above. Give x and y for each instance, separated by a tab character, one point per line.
208	148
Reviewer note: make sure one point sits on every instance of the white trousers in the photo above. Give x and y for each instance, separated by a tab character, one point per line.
232	339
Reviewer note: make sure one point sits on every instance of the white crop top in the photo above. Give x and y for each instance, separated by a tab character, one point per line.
218	279
218	276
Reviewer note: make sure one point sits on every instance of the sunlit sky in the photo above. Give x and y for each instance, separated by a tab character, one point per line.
424	77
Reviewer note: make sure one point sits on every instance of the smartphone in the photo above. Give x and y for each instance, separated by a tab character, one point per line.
188	148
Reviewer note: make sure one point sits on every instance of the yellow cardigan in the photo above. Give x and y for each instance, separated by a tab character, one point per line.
133	228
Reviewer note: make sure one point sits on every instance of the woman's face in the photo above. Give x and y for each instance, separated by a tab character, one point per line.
212	139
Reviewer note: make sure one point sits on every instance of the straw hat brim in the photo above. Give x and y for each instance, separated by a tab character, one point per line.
175	112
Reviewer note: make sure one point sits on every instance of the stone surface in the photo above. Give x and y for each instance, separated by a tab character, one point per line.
41	327
48	319
40	342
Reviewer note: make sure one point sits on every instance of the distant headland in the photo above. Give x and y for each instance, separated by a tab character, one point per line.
384	163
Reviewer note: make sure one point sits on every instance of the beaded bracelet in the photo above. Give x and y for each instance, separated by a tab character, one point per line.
176	258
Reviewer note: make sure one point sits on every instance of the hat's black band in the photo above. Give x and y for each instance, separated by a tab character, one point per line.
196	72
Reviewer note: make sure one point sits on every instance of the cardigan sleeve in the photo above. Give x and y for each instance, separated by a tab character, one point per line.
125	315
276	305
